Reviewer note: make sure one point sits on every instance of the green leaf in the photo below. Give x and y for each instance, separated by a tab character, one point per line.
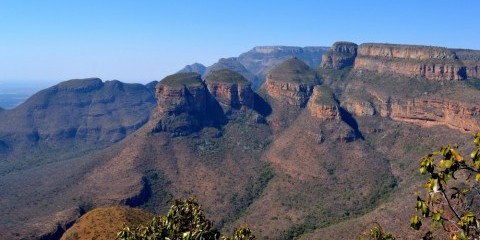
456	155
415	222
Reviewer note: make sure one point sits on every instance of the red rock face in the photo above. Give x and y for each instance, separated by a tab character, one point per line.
359	108
427	112
292	93
233	95
448	70
322	110
430	112
342	54
433	63
473	69
180	99
405	51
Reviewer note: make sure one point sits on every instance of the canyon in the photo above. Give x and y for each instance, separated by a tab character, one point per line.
312	149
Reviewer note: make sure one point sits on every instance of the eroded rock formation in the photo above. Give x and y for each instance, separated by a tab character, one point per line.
471	59
359	108
433	63
430	112
342	54
182	103
322	105
292	82
230	89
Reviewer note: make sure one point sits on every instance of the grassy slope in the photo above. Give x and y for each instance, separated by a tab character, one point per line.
279	180
104	223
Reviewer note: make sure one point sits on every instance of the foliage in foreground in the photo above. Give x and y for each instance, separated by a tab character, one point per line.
185	220
377	233
451	192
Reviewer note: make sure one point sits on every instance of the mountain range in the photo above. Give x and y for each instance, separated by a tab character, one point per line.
308	143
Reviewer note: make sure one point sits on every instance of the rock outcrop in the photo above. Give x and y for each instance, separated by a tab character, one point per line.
230	89
323	105
291	82
471	60
428	112
342	54
181	103
433	63
359	108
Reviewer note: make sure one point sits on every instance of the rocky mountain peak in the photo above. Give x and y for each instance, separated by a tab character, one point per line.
230	88
342	54
292	81
323	105
195	68
181	104
181	93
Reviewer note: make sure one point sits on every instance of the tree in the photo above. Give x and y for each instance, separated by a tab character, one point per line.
376	233
185	220
451	193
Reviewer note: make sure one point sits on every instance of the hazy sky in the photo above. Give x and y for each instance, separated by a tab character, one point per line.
141	41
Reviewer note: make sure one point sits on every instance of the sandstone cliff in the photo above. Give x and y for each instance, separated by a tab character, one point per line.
291	82
230	89
342	54
471	59
429	112
181	103
359	108
433	63
323	105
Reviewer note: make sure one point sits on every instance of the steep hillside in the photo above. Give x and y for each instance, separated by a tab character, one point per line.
315	153
74	115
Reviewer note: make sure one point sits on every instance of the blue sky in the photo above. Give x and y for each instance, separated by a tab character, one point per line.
141	41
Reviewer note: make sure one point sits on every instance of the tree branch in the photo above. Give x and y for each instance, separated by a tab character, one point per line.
449	205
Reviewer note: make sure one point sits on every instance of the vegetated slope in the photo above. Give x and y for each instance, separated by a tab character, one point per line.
70	117
242	168
316	150
105	223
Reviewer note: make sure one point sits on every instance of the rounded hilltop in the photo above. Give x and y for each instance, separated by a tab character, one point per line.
81	84
230	88
104	223
226	76
293	70
182	79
